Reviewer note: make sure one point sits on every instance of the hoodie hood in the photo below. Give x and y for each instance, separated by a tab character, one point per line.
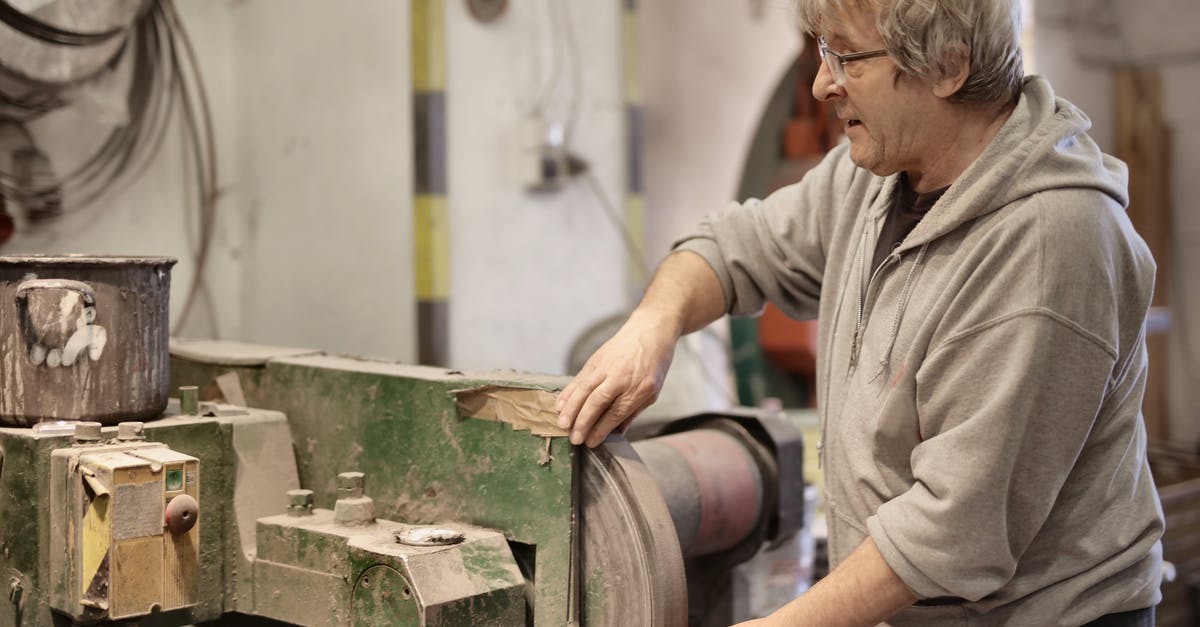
1042	146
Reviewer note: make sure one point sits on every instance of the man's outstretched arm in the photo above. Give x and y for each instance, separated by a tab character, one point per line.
625	375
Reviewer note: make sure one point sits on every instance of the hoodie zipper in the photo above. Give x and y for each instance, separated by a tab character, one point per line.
858	325
863	292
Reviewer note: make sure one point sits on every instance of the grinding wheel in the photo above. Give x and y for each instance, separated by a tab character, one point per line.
630	559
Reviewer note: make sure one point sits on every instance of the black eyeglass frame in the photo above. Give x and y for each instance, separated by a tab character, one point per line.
837	62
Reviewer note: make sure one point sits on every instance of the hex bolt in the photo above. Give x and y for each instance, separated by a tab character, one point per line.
128	431
87	432
300	502
353	508
189	400
350	485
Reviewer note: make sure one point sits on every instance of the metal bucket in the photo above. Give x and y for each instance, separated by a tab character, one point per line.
83	338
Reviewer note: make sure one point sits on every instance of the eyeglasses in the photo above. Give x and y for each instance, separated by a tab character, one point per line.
837	62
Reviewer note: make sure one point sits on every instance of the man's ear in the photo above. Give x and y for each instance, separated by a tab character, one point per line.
957	67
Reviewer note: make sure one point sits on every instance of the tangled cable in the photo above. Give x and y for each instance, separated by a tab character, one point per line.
165	76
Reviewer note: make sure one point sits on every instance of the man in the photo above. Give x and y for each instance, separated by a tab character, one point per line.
981	298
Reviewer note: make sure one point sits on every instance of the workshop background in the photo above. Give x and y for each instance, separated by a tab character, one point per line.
484	184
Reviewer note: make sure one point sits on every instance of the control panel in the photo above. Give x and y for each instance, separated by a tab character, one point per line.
125	534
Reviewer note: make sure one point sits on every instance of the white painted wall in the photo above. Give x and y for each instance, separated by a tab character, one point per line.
1090	86
323	183
530	272
708	68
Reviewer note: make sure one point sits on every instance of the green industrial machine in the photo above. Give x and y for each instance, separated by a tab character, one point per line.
290	486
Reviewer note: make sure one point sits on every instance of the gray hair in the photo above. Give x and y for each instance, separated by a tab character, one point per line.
924	37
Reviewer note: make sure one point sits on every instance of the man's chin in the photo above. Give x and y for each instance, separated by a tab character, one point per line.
869	163
864	162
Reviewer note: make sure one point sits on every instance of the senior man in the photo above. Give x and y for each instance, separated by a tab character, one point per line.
981	297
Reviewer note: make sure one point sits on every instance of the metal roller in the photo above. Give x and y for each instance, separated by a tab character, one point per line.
712	486
631	565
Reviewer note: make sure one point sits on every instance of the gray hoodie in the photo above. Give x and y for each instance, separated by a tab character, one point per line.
980	390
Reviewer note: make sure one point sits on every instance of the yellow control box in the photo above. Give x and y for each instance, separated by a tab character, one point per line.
125	530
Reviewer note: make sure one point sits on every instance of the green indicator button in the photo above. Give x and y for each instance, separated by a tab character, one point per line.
174	479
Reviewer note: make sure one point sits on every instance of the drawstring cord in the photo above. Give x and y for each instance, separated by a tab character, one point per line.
905	293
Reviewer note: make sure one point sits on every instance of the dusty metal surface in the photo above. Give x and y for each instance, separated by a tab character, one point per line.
227	353
25	536
110	555
313	570
426	462
632	567
383	596
83	338
432	459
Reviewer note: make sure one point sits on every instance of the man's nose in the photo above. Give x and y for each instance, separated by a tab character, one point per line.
824	87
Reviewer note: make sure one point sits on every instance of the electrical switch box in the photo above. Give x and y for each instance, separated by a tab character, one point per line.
125	530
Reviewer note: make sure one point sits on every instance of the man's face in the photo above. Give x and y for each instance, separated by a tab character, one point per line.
885	118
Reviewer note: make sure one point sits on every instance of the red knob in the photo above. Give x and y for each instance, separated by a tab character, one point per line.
182	513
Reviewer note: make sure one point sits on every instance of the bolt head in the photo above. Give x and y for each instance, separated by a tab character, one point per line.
87	431
300	498
130	431
350	484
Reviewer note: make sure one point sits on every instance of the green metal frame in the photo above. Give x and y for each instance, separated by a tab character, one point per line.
424	462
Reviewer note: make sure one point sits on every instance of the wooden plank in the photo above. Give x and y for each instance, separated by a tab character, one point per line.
1143	143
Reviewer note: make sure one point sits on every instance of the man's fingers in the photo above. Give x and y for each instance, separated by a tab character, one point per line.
560	405
617	418
562	397
634	414
598	402
604	426
572	397
573	385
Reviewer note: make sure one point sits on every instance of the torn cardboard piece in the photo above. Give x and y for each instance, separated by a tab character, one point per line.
231	388
523	408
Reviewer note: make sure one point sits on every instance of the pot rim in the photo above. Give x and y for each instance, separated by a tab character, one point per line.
67	260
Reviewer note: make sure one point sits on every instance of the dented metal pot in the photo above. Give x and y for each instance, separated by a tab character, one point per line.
83	338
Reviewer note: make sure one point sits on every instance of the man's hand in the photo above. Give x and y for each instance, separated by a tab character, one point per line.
626	374
621	379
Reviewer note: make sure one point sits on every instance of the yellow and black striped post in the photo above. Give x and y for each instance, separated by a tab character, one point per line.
431	229
635	208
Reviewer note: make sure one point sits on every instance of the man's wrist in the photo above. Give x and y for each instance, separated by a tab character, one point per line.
657	319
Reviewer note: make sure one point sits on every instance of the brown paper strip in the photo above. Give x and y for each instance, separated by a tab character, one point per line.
522	408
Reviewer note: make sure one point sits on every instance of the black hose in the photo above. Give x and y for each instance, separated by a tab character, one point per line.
50	33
